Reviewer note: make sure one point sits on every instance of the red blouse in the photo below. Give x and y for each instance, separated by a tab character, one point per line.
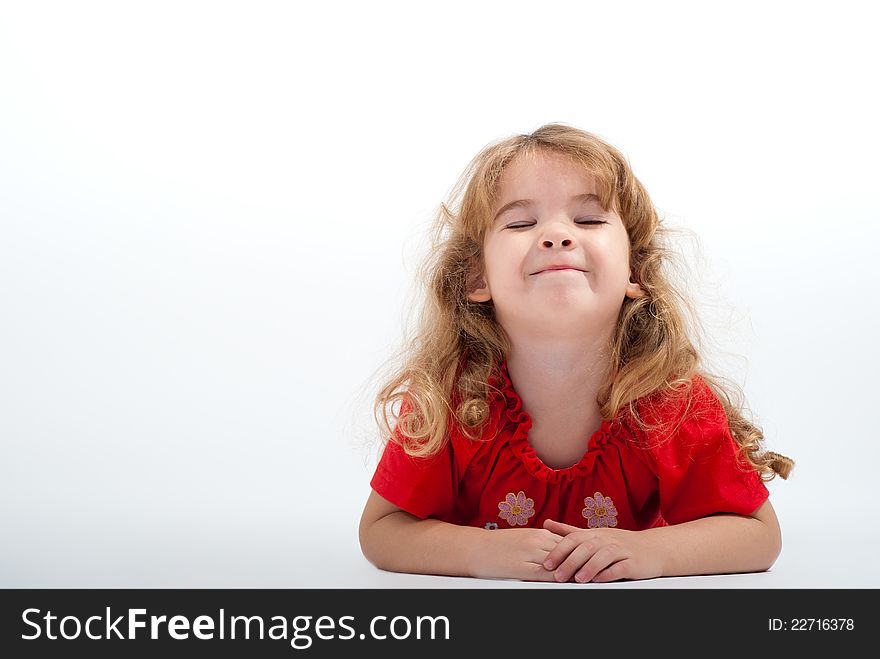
627	478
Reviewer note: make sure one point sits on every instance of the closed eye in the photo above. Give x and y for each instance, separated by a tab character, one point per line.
524	225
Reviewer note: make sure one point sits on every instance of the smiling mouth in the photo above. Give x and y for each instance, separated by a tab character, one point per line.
544	272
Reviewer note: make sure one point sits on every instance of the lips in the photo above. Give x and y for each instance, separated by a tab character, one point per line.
558	267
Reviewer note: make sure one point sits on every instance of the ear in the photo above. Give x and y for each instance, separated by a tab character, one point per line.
478	290
480	293
634	290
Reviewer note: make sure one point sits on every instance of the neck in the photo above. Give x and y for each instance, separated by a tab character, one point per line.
564	377
558	383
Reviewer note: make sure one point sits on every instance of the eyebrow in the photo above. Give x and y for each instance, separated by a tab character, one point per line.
525	203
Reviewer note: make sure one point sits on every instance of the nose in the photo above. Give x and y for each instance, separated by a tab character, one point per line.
549	243
556	235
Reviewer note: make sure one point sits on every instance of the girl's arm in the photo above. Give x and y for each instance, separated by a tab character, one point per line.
392	539
718	544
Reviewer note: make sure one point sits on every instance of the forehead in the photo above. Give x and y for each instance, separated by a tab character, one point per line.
541	170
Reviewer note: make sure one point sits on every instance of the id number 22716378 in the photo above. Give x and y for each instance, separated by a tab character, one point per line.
810	624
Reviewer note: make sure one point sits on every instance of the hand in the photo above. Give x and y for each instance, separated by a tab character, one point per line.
602	555
514	554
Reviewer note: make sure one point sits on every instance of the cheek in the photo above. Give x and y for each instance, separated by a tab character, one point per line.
500	262
612	255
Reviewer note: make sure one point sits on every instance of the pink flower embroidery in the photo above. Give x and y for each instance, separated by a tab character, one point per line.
600	511
516	509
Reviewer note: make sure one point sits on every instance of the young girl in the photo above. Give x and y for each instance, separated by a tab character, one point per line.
554	423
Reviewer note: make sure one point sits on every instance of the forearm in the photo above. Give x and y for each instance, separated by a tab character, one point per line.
400	542
716	545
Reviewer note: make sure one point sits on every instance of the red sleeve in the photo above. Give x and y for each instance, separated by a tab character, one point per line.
421	486
697	467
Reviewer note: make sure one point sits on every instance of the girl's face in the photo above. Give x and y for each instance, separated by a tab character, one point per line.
556	263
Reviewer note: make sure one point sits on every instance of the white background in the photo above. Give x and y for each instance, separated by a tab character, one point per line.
211	215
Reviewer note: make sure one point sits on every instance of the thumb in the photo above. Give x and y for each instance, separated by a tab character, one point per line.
559	527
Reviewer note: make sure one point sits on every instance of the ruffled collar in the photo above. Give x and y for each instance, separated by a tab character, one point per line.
502	394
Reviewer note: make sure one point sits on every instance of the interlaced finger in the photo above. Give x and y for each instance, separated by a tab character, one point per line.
562	549
600	560
574	561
